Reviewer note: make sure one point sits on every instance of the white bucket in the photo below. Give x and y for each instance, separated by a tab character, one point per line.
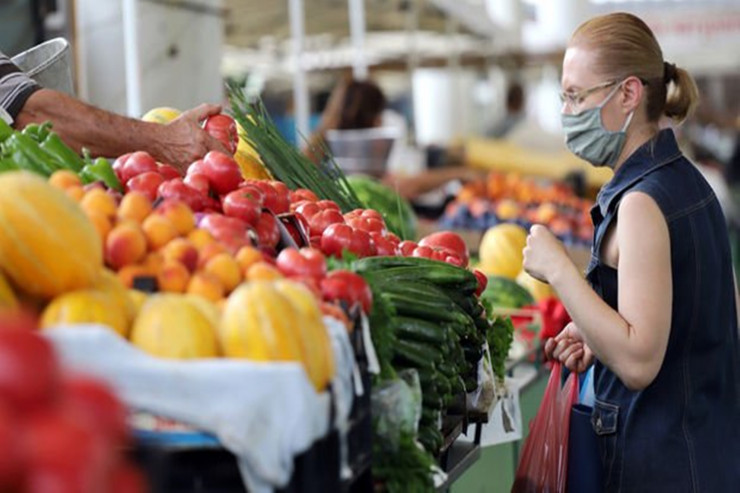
49	64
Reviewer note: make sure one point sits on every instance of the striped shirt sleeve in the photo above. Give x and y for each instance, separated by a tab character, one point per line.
15	87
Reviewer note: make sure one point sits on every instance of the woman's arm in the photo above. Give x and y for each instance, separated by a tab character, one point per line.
631	341
180	142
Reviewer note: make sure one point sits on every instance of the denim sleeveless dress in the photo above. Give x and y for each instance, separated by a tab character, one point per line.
682	432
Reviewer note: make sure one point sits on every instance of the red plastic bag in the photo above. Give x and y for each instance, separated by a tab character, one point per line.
544	463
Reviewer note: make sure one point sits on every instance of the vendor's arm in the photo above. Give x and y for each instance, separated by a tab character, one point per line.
631	342
180	142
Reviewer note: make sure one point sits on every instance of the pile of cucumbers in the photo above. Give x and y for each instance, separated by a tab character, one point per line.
440	329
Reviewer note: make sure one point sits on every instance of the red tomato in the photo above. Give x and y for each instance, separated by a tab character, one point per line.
367	224
64	455
482	281
222	171
348	287
328	204
125	478
450	241
118	165
283	197
223	226
11	464
306	262
147	183
362	244
423	252
323	219
29	374
336	238
177	190
272	200
257	195
93	403
407	248
223	128
196	167
267	230
302	194
199	182
243	205
168	171
139	162
384	246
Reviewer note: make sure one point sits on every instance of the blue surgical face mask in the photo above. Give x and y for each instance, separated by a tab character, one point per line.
587	138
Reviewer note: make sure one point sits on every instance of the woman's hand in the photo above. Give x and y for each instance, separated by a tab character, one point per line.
568	348
544	254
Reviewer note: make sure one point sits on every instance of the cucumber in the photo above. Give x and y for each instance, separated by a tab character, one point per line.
442	275
421	330
430	438
419	354
413	306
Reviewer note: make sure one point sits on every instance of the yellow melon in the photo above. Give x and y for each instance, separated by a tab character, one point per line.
170	326
86	306
161	115
500	250
7	296
47	244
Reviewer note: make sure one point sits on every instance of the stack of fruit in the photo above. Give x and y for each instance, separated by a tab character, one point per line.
58	432
509	198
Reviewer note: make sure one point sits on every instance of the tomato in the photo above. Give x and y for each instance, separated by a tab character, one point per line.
385	247
362	244
168	171
482	282
196	167
407	247
423	252
267	230
449	241
222	171
336	238
242	204
147	183
300	194
199	182
29	373
367	224
177	190
64	455
137	163
283	197
319	219
223	128
93	403
225	227
118	165
348	287
306	262
328	204
11	464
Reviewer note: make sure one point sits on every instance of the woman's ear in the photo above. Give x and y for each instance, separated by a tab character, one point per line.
633	92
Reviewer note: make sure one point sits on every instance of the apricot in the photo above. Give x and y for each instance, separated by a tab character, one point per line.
182	251
159	231
134	206
226	269
262	271
98	200
101	223
64	179
125	245
206	285
180	215
248	256
201	238
173	277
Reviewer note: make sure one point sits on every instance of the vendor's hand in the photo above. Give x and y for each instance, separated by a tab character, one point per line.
569	349
544	254
185	141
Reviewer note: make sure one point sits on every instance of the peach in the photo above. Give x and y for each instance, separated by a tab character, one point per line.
226	269
183	251
153	261
75	192
201	238
180	215
101	223
208	252
206	285
247	256
97	199
262	271
125	245
64	179
173	277
128	273
135	206
159	231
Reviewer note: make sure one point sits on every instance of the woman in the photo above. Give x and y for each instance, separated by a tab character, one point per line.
659	318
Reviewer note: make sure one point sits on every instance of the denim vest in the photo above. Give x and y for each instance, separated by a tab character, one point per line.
682	432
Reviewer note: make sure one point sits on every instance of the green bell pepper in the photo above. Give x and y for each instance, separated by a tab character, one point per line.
5	130
37	132
29	156
68	158
101	170
7	164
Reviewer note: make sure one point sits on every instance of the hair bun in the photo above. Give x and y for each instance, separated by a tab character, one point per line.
669	72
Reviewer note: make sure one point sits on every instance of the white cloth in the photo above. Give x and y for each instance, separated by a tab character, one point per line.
264	413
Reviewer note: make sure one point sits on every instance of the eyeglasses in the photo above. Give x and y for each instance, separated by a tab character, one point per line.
575	99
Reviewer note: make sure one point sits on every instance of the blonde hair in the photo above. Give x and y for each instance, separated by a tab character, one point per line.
625	46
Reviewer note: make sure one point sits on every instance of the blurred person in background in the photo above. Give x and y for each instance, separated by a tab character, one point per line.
515	114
